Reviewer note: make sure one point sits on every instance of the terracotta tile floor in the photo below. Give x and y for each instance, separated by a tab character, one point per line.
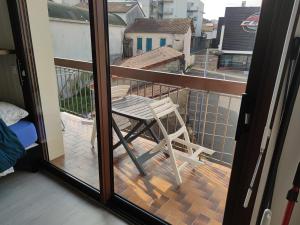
199	200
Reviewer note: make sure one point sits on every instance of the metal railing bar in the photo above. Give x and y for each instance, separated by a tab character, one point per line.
204	125
215	125
86	82
226	128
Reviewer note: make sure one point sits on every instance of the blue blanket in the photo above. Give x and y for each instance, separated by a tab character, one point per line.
10	148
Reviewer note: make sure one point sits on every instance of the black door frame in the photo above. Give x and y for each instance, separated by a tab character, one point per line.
26	67
263	72
262	77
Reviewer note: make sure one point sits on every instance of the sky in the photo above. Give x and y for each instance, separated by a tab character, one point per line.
214	9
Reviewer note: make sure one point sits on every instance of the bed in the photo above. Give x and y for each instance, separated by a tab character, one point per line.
26	134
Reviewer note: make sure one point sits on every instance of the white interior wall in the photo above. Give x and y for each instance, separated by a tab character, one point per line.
42	48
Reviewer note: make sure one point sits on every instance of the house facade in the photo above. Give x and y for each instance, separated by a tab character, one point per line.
149	34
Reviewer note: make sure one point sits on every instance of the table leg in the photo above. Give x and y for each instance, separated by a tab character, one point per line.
136	135
149	125
156	139
127	136
127	148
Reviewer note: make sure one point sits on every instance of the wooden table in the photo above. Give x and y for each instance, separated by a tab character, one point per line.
135	108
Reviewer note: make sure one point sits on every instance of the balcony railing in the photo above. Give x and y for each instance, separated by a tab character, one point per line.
168	11
210	107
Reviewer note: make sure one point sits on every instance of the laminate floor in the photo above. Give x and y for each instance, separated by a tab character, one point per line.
39	199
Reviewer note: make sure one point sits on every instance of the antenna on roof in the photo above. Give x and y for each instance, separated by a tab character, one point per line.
244	3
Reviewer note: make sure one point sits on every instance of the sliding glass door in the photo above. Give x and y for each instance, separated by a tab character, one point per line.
176	107
67	90
157	125
185	96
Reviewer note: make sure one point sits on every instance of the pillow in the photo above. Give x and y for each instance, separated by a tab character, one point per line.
11	114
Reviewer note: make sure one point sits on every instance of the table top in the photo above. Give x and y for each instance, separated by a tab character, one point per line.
133	106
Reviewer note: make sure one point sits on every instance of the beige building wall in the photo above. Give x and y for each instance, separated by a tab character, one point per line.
42	46
180	42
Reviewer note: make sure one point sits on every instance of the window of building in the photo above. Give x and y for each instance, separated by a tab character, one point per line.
149	44
162	42
140	43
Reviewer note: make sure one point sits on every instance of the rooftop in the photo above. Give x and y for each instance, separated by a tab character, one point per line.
120	7
113	7
208	27
153	58
61	11
169	26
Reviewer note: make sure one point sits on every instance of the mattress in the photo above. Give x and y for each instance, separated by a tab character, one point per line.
25	132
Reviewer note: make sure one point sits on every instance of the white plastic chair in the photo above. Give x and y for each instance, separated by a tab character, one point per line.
117	92
161	109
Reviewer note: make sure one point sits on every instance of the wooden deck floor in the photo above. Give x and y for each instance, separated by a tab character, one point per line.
199	200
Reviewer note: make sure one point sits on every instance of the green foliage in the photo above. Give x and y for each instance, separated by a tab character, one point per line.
80	104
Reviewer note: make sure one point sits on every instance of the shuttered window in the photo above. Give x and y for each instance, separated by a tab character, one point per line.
139	43
162	42
149	44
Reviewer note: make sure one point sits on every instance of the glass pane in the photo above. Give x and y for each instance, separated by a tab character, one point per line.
70	34
208	38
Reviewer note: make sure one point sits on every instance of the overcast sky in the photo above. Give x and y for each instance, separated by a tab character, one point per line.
214	9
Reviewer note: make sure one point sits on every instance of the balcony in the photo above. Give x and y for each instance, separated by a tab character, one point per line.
209	108
193	9
168	11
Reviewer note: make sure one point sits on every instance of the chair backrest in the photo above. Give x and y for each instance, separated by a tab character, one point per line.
119	91
161	109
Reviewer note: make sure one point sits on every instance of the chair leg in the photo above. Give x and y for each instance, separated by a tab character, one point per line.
93	138
174	164
187	139
63	125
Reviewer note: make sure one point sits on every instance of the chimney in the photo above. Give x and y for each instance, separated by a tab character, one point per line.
243	3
